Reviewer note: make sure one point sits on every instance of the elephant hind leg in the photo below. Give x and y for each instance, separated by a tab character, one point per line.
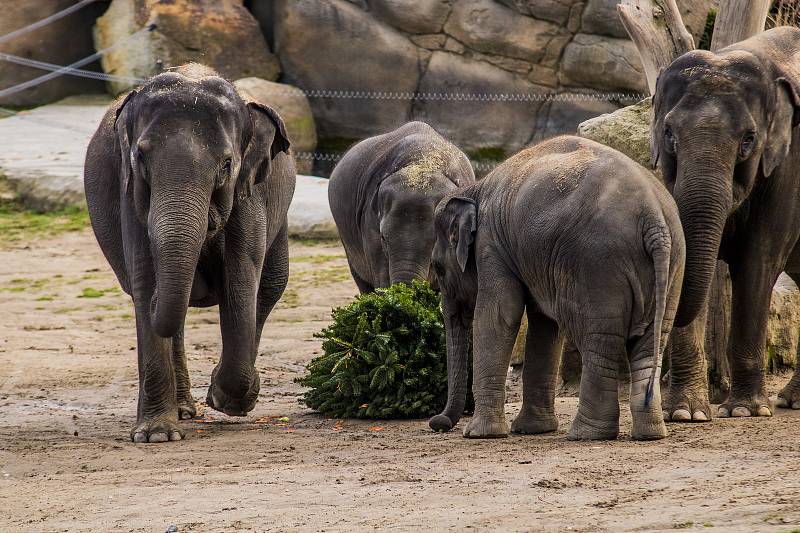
648	419
183	386
543	346
598	403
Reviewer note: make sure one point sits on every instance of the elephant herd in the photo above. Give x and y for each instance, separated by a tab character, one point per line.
188	188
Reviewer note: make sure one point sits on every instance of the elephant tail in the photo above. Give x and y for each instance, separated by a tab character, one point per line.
658	243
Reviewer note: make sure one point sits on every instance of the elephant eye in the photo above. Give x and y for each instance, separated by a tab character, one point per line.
669	139
748	142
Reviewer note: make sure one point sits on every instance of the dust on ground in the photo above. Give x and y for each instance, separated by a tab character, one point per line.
68	385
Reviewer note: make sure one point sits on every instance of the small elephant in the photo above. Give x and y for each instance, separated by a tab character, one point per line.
589	244
726	138
383	194
188	188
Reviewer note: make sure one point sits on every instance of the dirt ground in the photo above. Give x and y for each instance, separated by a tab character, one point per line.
67	401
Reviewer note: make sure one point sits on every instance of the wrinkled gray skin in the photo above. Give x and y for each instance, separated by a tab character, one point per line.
726	139
383	194
589	244
188	189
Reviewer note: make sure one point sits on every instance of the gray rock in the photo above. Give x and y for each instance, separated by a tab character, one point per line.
602	63
563	117
352	54
309	213
783	325
489	27
557	11
61	42
412	16
600	17
293	107
219	33
626	130
483	123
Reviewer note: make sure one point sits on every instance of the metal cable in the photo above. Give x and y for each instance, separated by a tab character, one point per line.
45	21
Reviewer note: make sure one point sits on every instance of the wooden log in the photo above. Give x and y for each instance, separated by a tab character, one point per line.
657	30
738	20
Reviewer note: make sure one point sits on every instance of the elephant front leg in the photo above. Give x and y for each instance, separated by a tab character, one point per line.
543	347
598	403
157	412
183	386
498	311
234	381
687	398
752	290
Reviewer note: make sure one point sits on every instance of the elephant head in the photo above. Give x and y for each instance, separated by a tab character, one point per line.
190	150
454	264
722	123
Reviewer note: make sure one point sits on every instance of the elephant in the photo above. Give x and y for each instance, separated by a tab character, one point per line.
724	135
588	243
188	189
383	194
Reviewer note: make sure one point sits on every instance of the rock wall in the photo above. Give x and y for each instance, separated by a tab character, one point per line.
484	47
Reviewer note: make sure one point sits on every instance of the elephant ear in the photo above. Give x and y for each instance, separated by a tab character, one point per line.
656	131
785	116
461	228
122	129
267	139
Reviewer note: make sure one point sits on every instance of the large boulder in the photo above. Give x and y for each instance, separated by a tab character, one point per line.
602	63
484	122
412	16
354	54
783	326
219	33
626	130
558	11
600	17
487	26
61	42
293	107
562	117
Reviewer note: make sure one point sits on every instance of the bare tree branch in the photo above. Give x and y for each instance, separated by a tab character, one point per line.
738	20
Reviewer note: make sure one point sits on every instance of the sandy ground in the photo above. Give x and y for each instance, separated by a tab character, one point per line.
67	402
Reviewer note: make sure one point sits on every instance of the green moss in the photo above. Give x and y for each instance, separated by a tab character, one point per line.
18	224
705	39
91	293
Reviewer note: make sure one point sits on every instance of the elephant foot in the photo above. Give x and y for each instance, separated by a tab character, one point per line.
441	422
789	396
528	422
160	429
583	428
486	427
232	404
741	405
186	408
648	426
686	405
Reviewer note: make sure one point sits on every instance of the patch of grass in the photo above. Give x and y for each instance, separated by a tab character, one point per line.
89	292
67	309
25	284
683	525
316	259
290	298
19	224
322	276
315	242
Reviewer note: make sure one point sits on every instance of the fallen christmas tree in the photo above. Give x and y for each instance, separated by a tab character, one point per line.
384	356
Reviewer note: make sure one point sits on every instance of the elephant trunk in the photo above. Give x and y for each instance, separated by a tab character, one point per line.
178	225
703	192
457	331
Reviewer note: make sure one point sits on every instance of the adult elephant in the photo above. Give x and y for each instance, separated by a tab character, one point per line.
725	136
188	188
383	194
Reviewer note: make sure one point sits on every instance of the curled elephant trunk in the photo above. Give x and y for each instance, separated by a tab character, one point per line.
178	228
407	274
704	202
457	330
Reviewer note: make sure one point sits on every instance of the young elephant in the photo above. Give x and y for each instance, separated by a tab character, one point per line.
188	188
589	244
383	194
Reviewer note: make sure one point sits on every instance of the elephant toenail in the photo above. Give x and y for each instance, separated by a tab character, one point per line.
700	416
681	415
764	411
723	413
139	437
158	437
740	411
175	435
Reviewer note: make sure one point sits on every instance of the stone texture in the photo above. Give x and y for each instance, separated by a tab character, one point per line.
563	117
475	125
626	130
557	11
61	42
293	107
219	33
352	54
783	325
489	27
309	213
600	17
412	16
603	63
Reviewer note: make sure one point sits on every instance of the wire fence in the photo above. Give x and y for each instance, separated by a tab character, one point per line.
45	21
